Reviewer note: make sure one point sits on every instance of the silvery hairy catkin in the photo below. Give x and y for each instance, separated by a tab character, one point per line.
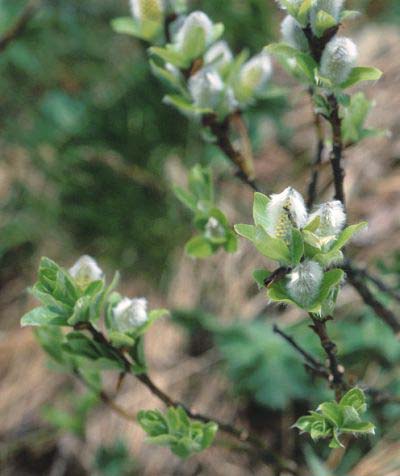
147	9
304	282
208	91
195	35
129	314
293	34
85	271
338	59
256	73
220	55
285	210
332	218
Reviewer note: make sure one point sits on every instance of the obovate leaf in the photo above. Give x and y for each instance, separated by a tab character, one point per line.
361	73
43	316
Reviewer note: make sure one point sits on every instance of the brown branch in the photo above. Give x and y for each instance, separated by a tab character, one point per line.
337	149
105	398
369	299
220	130
336	370
257	444
377	282
317	368
314	365
313	185
19	26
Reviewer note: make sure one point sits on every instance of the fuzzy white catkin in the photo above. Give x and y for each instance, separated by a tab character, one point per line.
206	88
332	218
338	59
86	270
130	313
256	73
293	34
282	209
219	54
147	9
191	25
304	282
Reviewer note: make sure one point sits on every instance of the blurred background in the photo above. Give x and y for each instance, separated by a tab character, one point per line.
88	154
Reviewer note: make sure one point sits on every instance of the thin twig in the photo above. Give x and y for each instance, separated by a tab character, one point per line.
265	454
317	368
244	164
337	149
377	282
19	26
105	398
313	362
336	370
370	300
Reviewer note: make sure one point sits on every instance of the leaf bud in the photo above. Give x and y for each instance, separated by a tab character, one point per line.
338	59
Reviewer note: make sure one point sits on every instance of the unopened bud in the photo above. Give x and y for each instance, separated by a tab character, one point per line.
256	73
305	282
214	230
208	91
332	218
338	59
129	314
85	271
293	35
285	210
195	35
150	10
220	55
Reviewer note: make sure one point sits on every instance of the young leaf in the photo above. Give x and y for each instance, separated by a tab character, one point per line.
260	210
361	73
199	247
43	316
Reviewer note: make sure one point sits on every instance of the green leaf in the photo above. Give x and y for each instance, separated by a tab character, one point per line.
331	279
349	15
359	427
186	198
361	73
270	247
296	247
168	77
143	29
303	12
332	411
305	423
260	210
184	106
43	316
305	62
346	235
201	184
313	225
260	275
231	243
199	247
355	398
323	22
246	231
170	55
